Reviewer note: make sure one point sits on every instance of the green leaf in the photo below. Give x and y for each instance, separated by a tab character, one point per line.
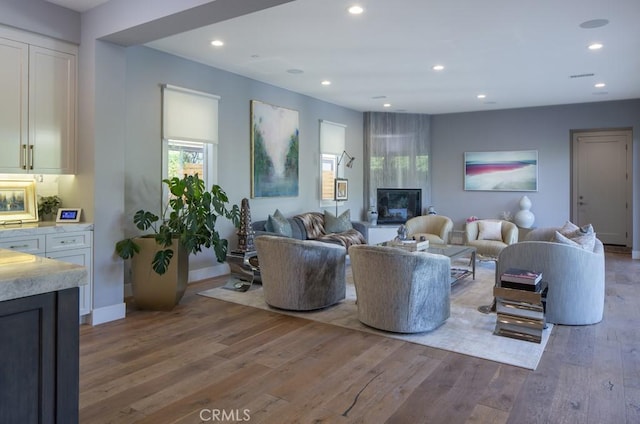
127	248
161	261
144	219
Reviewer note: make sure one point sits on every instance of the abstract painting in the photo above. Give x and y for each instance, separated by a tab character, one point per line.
501	171
274	151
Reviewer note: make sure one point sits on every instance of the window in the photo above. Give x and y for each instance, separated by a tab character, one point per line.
329	174
332	144
189	157
189	134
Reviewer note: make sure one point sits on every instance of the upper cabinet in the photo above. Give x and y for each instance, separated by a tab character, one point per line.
38	111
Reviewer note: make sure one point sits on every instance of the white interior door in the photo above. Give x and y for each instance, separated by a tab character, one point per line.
601	184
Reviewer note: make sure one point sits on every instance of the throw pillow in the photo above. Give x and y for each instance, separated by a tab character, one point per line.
340	224
278	223
568	228
490	230
584	236
559	238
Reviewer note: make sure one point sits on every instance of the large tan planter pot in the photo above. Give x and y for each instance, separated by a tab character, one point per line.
151	290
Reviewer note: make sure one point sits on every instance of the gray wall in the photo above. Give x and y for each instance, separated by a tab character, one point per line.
546	129
148	68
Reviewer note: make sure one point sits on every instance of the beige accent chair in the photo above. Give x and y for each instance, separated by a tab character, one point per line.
435	228
301	275
576	277
488	244
401	291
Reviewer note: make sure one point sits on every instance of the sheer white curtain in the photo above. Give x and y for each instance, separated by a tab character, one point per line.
397	149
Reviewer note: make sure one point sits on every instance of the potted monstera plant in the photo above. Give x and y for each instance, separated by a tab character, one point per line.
160	257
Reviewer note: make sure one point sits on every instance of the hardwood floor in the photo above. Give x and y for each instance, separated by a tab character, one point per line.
213	361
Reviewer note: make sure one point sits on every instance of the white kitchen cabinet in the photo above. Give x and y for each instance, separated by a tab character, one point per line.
38	111
34	244
14	107
73	244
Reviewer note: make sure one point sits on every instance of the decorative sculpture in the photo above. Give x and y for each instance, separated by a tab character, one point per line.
245	233
524	217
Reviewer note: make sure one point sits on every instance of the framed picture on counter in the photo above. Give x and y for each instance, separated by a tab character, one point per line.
18	202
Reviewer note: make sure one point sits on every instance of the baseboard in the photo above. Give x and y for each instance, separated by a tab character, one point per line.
108	313
209	272
635	254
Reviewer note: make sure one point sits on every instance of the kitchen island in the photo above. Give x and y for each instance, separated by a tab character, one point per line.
39	339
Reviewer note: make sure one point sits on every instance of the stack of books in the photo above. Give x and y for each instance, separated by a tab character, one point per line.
520	305
410	245
521	279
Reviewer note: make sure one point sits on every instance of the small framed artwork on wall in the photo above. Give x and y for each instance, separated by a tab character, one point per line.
341	189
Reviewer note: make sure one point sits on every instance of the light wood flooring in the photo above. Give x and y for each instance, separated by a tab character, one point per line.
209	360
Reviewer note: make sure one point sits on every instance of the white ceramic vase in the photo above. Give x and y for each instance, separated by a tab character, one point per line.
372	214
524	218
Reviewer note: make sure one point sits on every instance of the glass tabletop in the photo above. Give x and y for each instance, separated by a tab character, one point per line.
450	250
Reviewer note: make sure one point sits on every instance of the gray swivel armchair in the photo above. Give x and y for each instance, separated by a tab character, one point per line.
301	275
401	291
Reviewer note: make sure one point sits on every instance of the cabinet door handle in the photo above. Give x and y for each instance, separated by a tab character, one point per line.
24	246
24	156
31	155
68	241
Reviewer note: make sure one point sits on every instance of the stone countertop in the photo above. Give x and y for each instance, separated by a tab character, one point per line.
42	228
22	275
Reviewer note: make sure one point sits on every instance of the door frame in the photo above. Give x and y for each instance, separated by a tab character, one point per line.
629	173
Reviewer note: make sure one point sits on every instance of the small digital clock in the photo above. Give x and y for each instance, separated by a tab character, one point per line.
69	215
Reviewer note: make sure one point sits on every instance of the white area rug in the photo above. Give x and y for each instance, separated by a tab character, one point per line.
467	331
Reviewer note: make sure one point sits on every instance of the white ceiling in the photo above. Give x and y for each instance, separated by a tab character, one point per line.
519	53
78	5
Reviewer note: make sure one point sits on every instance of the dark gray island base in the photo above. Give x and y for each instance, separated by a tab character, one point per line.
39	339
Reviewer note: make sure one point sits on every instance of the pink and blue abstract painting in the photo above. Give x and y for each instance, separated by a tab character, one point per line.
501	171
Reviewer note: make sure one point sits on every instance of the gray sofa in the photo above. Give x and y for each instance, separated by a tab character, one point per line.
575	276
308	226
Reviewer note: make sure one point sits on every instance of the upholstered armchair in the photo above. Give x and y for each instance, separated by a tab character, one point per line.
301	275
435	228
575	276
490	236
401	291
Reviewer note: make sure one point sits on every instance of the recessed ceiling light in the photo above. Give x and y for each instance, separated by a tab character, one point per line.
594	23
326	82
217	43
481	96
355	10
600	85
438	67
386	105
595	46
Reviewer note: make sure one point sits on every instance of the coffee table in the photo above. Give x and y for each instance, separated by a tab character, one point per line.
456	251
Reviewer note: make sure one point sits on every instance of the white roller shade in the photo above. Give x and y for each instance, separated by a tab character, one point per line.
189	115
332	137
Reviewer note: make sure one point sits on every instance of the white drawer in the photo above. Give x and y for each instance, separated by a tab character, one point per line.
64	241
28	244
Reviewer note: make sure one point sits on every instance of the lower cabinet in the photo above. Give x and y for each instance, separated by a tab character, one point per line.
39	347
75	247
